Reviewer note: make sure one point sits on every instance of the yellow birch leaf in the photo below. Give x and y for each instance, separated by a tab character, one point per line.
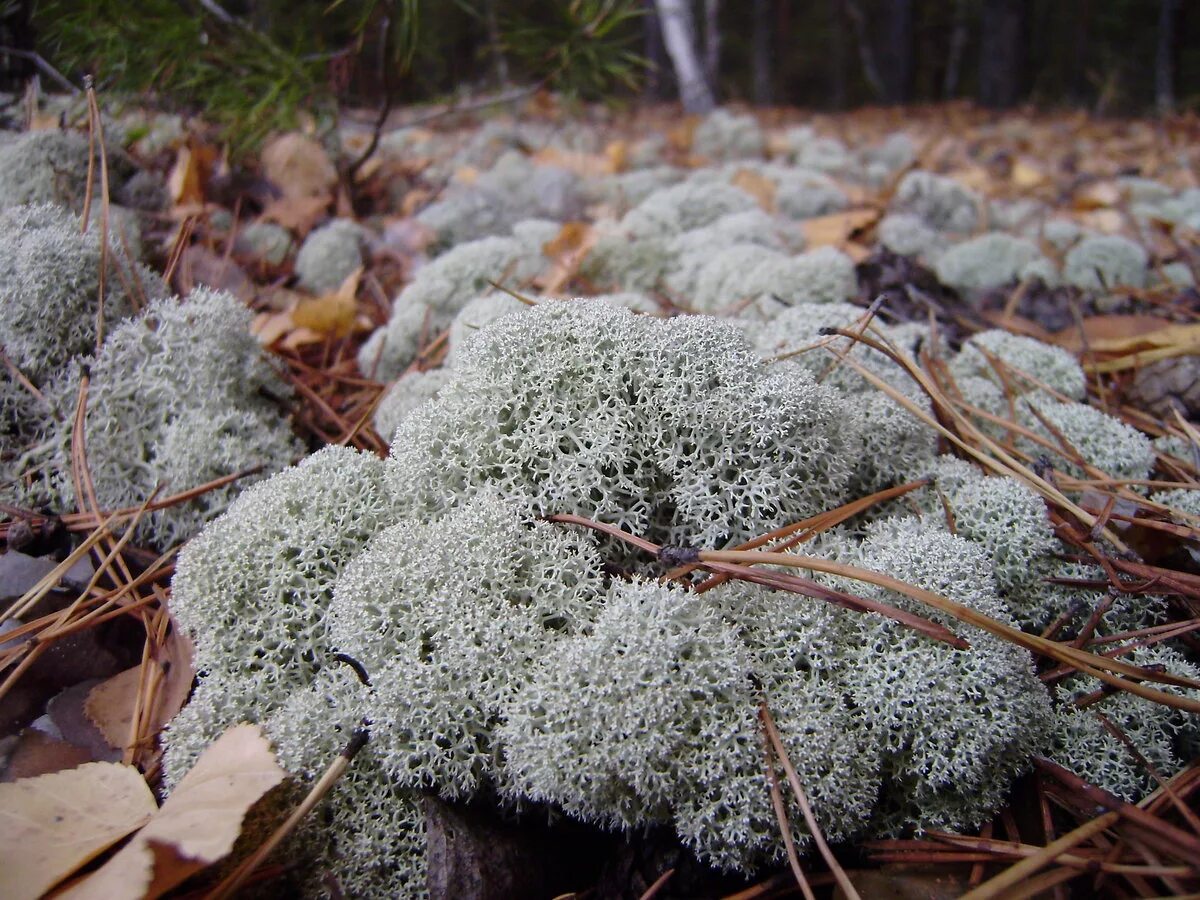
332	313
110	705
185	182
757	186
52	824
836	228
196	827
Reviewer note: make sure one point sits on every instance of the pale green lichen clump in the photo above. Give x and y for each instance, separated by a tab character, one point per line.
508	660
179	396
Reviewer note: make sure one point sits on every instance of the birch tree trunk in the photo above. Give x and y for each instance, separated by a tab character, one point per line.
679	34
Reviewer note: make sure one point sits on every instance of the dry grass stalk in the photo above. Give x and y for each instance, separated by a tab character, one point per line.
839	874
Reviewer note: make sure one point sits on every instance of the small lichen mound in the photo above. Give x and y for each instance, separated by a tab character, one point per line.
1162	735
329	255
179	396
675	427
51	167
406	394
515	189
50	284
441	288
942	203
725	135
992	260
949	754
261	576
1106	262
1052	366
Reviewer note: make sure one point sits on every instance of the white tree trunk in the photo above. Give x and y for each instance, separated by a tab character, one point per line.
675	19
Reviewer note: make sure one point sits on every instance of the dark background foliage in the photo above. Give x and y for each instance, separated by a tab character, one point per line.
252	64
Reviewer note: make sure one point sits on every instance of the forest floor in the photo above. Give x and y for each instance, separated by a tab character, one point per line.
91	669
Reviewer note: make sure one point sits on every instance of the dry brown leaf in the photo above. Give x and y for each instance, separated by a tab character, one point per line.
198	824
414	200
53	824
586	165
270	327
36	753
757	185
299	166
466	174
856	251
1027	175
45	120
199	265
185	183
1097	195
110	705
680	135
835	229
568	249
332	313
1108	221
617	154
298	214
1102	329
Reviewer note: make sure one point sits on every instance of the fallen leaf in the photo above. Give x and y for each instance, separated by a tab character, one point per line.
199	265
1097	195
585	165
757	185
1027	175
297	214
680	135
299	166
332	313
185	183
196	826
1108	221
37	753
835	229
568	250
53	824
1105	328
270	327
617	154
110	704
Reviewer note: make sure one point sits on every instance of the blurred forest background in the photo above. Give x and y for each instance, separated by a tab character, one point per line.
257	62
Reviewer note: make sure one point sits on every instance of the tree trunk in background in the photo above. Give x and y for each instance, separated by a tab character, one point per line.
866	54
712	42
958	43
1001	52
837	54
898	88
653	51
679	34
1164	60
761	51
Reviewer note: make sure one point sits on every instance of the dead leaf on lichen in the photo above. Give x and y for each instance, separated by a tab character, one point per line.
197	825
757	185
53	824
333	313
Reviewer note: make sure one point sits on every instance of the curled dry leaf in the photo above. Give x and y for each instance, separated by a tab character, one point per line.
53	824
110	705
299	166
758	186
836	229
332	313
568	249
198	824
